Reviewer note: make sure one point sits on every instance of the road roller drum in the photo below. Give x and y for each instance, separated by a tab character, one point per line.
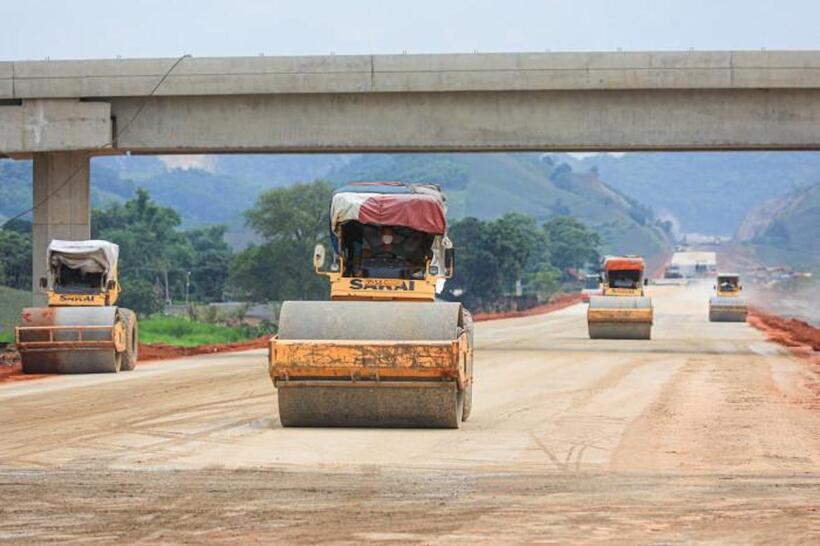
727	309
72	339
374	364
612	317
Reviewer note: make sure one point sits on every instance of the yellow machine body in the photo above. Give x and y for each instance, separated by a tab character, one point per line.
728	286
105	296
81	330
727	305
369	289
623	311
381	353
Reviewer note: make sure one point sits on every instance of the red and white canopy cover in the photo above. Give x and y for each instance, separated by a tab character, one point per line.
415	206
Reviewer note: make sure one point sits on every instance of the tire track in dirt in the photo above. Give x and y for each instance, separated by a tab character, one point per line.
710	416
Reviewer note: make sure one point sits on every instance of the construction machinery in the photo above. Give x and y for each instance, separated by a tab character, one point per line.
383	352
623	311
81	330
592	287
672	272
727	305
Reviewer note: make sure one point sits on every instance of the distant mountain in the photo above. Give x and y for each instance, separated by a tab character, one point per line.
280	170
709	193
488	185
785	230
706	192
217	189
15	187
203	189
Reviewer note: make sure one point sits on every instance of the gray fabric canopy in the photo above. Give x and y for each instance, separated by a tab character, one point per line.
87	256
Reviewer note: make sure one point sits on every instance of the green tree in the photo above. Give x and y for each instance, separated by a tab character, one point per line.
562	176
211	262
493	256
545	282
152	250
476	280
572	245
520	246
15	259
141	295
291	221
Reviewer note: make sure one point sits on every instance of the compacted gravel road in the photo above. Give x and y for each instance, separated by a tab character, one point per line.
706	433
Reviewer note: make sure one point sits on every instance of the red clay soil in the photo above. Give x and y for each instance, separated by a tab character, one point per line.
11	371
160	351
556	303
802	338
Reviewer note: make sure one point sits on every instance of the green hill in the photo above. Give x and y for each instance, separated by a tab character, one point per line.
15	187
706	192
217	195
786	230
217	189
488	185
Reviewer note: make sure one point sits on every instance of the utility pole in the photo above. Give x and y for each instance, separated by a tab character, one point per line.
167	290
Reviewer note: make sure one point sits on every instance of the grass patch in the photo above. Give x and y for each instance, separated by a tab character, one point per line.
12	302
182	332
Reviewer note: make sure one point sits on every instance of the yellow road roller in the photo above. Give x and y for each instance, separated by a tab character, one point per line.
383	352
623	311
81	330
727	305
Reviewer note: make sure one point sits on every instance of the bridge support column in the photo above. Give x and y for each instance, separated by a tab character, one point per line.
62	200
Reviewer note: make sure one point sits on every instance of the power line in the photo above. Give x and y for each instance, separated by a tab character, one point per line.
108	144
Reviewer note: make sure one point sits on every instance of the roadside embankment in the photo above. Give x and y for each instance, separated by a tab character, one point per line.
162	351
559	302
801	337
11	370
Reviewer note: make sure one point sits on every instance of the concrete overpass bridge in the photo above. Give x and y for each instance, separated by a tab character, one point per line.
60	113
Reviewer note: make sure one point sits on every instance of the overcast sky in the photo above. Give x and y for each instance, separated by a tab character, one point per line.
72	29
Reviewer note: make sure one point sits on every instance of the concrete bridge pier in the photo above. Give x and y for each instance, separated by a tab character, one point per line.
62	200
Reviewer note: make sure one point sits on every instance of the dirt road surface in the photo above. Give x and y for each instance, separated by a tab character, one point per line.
707	433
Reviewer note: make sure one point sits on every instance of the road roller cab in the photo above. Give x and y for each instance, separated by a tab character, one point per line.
592	287
81	273
727	305
382	352
81	330
623	311
728	285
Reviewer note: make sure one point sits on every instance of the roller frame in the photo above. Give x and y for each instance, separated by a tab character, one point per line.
727	314
49	343
620	330
727	309
620	317
371	380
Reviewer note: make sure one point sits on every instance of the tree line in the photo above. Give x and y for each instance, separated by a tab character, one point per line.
495	259
158	261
